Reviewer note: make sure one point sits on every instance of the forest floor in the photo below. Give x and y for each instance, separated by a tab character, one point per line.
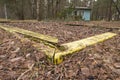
21	61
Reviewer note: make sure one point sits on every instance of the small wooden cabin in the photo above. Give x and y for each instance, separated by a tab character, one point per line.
84	12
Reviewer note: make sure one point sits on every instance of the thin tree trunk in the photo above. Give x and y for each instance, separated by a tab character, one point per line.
110	11
40	10
33	8
48	9
117	8
56	8
5	9
22	10
45	8
52	8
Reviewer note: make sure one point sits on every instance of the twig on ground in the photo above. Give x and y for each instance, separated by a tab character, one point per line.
3	42
22	74
83	57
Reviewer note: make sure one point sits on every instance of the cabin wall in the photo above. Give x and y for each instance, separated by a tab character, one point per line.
86	15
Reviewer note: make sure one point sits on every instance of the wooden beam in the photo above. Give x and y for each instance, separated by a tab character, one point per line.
31	34
15	21
94	26
76	46
57	54
4	20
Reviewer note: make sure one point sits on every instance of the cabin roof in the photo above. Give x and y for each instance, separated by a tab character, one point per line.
79	8
82	8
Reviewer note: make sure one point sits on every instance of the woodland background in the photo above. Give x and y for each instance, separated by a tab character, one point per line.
55	9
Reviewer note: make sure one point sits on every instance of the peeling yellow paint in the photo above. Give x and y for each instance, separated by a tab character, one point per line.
55	53
32	34
76	46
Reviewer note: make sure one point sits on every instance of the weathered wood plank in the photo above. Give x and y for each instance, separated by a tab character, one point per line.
94	26
54	52
4	21
76	46
15	21
31	34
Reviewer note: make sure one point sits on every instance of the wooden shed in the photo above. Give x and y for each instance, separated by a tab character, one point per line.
84	12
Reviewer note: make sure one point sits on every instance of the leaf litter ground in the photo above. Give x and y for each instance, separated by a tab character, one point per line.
20	60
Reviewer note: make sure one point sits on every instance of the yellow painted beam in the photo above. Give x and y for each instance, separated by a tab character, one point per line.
3	20
76	46
14	21
57	54
22	21
31	34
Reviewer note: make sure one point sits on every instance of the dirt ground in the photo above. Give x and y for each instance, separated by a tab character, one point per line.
21	61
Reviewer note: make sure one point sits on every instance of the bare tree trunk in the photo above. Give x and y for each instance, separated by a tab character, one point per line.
75	12
19	9
57	8
38	7
52	8
45	8
110	11
117	8
33	8
40	10
22	10
5	9
48	9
